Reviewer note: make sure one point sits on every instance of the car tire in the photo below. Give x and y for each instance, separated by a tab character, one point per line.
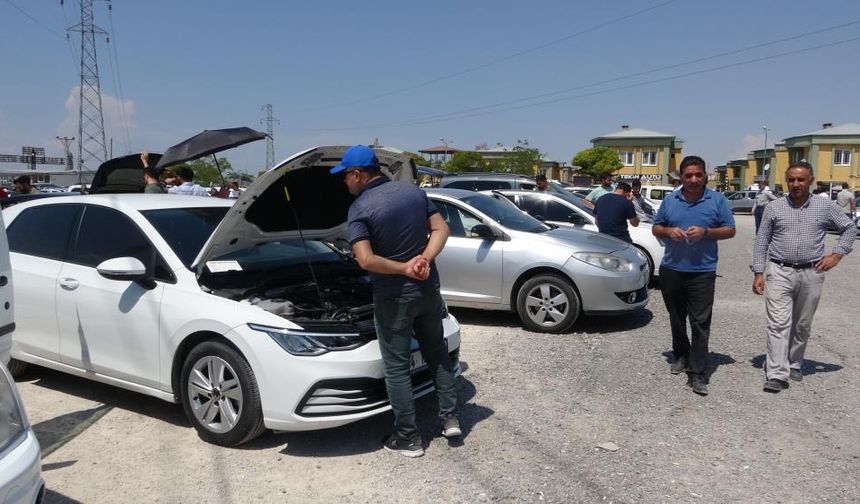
548	303
16	368
652	271
222	401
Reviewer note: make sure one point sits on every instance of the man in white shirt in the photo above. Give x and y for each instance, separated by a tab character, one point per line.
845	201
187	185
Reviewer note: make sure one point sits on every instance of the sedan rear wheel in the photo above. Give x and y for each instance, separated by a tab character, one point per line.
220	395
548	303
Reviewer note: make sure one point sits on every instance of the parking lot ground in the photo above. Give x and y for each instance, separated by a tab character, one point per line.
535	408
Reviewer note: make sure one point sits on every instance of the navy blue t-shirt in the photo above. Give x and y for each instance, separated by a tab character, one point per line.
612	212
393	216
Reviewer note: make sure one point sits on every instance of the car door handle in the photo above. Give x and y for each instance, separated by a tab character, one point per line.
69	283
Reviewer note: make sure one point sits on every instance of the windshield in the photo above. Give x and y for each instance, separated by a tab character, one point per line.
505	214
572	199
186	229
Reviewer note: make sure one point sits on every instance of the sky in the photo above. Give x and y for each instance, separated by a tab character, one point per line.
554	73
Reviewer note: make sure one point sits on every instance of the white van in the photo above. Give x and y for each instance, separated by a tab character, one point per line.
7	308
656	192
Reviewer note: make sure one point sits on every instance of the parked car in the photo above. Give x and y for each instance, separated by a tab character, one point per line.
484	181
567	210
47	187
656	193
219	306
20	454
742	201
499	258
7	303
14	199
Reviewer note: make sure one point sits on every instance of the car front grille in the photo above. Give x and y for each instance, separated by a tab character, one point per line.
633	297
348	396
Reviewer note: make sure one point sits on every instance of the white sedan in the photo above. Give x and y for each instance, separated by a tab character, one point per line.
566	210
217	305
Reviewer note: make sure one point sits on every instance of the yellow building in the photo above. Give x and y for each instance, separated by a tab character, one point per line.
833	152
644	154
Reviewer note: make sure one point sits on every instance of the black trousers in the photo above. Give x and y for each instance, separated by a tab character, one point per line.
689	294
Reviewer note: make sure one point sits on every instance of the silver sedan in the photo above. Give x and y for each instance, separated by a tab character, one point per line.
499	258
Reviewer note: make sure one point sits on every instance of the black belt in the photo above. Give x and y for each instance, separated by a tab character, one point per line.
806	265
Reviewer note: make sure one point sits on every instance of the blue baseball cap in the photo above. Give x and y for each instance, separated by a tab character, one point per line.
357	156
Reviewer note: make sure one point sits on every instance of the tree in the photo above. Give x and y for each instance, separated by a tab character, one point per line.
419	159
522	159
596	160
206	173
464	161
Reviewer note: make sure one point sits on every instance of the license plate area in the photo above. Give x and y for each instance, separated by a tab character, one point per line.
417	360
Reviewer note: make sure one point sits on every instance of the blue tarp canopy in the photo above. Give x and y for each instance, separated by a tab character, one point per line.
433	172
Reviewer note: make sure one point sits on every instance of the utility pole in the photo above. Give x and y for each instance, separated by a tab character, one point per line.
270	138
66	141
91	129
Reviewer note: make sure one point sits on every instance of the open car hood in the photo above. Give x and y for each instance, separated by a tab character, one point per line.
123	175
298	194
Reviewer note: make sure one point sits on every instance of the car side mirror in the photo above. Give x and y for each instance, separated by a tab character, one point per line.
483	231
128	269
575	218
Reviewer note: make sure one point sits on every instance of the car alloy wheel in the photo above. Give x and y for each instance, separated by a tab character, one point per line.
220	395
547	303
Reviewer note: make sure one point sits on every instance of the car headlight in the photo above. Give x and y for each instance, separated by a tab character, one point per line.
608	262
299	342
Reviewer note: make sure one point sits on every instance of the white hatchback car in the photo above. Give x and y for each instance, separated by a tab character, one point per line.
20	454
218	305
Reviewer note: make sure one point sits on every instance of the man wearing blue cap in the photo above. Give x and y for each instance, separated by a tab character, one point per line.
388	227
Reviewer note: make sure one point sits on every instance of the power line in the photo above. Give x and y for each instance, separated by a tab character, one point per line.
489	63
118	79
463	115
33	19
639	74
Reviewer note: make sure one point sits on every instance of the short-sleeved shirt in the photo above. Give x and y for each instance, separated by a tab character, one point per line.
612	212
843	200
393	216
709	211
189	188
597	192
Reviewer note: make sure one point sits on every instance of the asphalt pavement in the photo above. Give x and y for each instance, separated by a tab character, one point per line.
591	416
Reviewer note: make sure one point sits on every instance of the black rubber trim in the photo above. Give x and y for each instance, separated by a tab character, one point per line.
8	328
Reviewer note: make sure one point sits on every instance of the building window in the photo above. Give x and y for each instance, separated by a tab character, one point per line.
796	155
626	158
649	158
841	157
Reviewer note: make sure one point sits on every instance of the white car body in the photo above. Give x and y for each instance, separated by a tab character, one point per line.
20	453
135	334
642	235
7	304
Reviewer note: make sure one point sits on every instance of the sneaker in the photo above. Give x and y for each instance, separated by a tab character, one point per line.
699	385
451	427
411	449
796	375
775	386
678	365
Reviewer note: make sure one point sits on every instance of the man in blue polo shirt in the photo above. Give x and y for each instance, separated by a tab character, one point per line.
690	221
388	227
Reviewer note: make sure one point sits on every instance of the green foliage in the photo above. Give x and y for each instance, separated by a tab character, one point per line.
596	160
206	173
465	161
522	159
419	159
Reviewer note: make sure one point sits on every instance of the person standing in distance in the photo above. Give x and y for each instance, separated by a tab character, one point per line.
541	183
763	197
605	179
789	258
643	211
396	232
846	202
690	221
614	210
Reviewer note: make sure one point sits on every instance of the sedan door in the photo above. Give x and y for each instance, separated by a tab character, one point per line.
470	268
110	327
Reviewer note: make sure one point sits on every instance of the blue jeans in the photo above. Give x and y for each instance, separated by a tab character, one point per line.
399	319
